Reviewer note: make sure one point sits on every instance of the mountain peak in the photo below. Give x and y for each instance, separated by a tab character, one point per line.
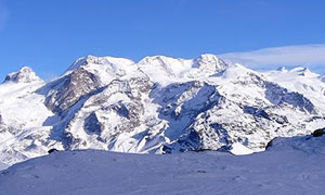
210	62
90	59
303	71
209	57
162	68
24	75
159	60
282	69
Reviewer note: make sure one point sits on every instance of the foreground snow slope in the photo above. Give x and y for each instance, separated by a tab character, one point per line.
290	166
158	105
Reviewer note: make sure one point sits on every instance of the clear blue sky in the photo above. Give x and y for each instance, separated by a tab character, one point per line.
49	35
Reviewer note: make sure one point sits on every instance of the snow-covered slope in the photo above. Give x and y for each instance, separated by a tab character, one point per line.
23	134
303	81
295	166
158	105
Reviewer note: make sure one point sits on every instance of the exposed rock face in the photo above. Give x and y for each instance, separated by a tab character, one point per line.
159	105
68	90
92	125
278	95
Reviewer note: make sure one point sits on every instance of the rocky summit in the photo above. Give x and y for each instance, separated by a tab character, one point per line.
157	105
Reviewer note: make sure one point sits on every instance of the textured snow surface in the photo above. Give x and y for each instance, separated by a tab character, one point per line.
290	166
157	105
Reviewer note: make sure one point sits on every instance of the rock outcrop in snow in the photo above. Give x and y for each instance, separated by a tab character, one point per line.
158	105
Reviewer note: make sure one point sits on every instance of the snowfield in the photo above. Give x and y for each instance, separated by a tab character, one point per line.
289	166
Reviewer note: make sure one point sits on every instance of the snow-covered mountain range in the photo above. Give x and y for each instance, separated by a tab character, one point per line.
158	105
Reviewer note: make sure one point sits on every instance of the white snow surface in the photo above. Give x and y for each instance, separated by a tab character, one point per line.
157	105
290	166
303	81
